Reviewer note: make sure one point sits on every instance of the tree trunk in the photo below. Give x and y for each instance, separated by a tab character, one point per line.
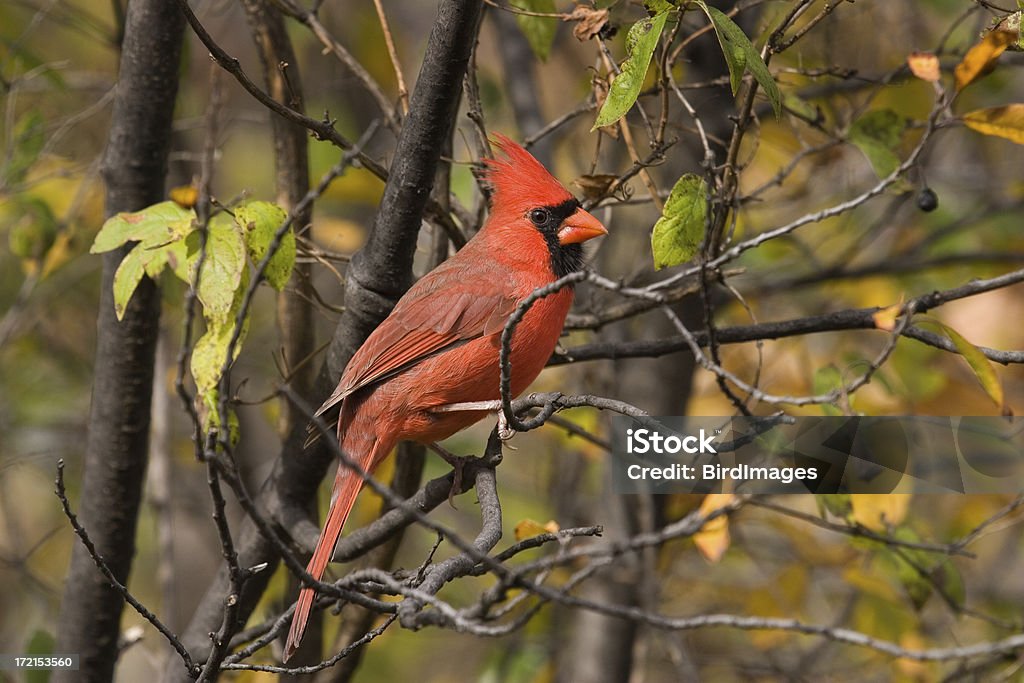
134	167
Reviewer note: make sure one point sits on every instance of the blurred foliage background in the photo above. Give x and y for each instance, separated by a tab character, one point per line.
58	63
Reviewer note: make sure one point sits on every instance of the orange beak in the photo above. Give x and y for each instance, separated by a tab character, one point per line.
580	227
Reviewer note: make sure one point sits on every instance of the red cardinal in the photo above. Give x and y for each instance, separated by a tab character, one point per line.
440	344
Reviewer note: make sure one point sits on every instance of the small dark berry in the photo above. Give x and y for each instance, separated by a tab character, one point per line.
927	200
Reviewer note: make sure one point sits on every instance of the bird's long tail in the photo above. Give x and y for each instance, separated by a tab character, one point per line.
346	488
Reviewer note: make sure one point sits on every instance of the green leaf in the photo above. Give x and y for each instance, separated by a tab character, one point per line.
126	279
838	504
27	60
877	134
259	222
26	143
680	230
640	43
802	109
539	31
827	379
981	365
222	266
41	644
924	573
154	225
741	55
34	232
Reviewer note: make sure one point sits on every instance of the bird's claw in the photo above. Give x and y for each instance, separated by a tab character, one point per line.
505	430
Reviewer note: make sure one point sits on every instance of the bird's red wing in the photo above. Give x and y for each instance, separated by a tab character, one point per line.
419	327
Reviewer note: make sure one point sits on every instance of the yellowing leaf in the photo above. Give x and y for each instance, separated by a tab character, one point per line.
879	512
924	65
152	226
222	266
713	539
259	222
529	528
680	230
981	365
210	350
1006	121
127	277
980	58
640	43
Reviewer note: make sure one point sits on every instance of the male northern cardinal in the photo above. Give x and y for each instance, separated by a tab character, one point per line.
440	344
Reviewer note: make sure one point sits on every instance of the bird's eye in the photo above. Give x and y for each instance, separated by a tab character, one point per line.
540	217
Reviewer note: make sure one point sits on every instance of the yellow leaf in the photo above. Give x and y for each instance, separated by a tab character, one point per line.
713	539
184	196
1006	121
915	671
879	511
529	528
339	235
924	65
885	319
60	253
979	363
979	59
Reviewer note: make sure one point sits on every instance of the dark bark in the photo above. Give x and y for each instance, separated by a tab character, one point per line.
377	276
134	167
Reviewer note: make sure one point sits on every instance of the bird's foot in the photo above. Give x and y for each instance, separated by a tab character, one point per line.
505	430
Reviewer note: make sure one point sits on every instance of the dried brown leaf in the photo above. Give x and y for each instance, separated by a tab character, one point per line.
589	21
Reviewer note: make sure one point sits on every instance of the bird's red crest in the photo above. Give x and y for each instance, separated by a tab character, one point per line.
521	182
